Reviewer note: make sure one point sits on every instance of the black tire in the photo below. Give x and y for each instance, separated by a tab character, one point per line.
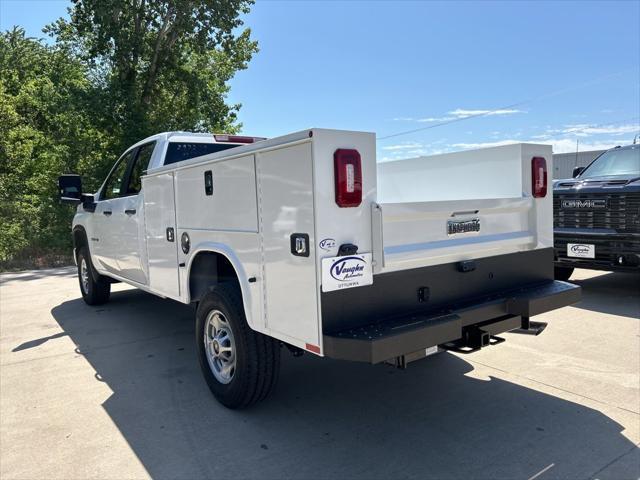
257	356
95	288
563	273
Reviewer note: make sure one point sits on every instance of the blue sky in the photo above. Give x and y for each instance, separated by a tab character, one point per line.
548	72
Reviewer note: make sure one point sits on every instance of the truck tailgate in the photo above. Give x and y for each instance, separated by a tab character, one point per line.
416	234
488	209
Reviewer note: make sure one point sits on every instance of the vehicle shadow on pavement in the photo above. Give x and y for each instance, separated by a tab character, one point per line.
37	342
614	293
326	419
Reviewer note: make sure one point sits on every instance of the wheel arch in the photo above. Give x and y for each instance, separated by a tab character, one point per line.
79	236
80	239
211	264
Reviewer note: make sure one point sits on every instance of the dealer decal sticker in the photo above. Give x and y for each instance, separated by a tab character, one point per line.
346	272
327	244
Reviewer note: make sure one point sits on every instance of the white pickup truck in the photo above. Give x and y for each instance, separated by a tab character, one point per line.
303	241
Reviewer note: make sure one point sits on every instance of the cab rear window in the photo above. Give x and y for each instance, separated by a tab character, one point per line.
179	151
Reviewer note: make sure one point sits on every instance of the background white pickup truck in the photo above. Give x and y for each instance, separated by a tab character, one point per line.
304	241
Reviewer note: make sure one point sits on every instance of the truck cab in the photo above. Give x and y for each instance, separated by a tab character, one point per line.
113	221
596	215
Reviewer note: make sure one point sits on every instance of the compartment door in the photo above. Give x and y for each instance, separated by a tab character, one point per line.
285	190
161	233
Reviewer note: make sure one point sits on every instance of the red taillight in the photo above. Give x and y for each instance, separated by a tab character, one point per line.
538	177
348	177
237	139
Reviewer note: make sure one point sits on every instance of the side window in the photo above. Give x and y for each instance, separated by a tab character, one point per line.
140	165
176	152
113	184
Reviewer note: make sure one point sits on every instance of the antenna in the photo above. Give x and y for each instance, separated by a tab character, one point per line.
635	139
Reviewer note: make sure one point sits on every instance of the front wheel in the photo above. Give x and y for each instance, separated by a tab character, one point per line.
239	365
563	273
95	288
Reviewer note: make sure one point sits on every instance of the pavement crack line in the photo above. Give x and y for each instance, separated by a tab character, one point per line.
553	386
624	454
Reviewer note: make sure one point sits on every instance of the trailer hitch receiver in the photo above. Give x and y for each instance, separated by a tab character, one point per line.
473	339
480	335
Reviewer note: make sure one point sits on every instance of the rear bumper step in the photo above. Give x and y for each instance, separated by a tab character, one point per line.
465	329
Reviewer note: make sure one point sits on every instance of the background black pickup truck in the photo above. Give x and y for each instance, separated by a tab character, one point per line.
596	215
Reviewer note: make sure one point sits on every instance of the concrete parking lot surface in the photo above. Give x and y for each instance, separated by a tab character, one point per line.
116	392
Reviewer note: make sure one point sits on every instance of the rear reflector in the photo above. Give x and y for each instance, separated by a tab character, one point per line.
237	139
538	177
347	177
313	348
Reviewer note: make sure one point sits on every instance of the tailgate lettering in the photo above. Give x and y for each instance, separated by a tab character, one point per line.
455	227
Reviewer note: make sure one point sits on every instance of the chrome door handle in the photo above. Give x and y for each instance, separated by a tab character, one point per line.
130	211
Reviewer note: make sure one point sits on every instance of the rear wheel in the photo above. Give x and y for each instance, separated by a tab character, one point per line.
94	287
563	273
239	365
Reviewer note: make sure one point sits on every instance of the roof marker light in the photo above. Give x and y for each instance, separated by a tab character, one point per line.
237	139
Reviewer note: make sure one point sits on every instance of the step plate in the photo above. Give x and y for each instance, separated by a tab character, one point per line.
388	338
543	298
378	342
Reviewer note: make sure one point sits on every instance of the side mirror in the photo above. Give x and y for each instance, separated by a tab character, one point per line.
577	171
70	189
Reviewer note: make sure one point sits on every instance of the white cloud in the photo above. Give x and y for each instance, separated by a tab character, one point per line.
462	113
562	139
472	146
434	119
424	151
567	145
564	145
585	130
422	120
407	150
588	130
459	113
402	146
404	119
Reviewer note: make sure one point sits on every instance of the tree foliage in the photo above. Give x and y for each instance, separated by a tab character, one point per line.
163	65
45	129
117	71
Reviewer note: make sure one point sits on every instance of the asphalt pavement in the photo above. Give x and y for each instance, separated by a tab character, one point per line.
116	392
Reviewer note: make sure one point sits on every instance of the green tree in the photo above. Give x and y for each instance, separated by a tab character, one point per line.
45	129
119	70
162	65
